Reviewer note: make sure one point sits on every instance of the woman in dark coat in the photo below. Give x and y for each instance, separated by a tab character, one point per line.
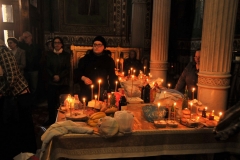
58	69
94	66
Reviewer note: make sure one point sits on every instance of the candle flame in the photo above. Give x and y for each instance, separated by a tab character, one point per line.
116	82
95	96
84	99
92	86
220	114
193	89
159	104
174	103
99	81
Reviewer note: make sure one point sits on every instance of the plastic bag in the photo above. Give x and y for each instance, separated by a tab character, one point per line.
125	121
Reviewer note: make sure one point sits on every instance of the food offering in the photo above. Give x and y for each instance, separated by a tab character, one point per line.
94	118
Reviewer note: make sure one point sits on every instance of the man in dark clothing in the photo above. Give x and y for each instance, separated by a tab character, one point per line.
17	129
33	56
96	65
132	62
189	76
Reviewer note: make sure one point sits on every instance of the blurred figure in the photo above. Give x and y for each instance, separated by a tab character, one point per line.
43	75
145	66
17	129
58	69
132	62
189	76
33	55
96	65
18	53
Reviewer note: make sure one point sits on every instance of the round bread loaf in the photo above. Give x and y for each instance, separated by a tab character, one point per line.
186	116
186	111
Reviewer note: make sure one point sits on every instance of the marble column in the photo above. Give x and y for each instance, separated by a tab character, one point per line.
216	53
138	23
160	36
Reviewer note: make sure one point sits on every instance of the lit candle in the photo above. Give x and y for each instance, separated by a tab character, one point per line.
116	86
174	104
122	73
169	85
144	68
220	114
191	106
117	63
164	93
134	71
197	119
158	106
92	91
131	71
193	93
84	104
132	84
99	81
109	99
95	99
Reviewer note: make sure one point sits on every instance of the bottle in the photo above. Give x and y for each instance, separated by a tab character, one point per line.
147	94
122	101
105	96
185	99
76	102
172	113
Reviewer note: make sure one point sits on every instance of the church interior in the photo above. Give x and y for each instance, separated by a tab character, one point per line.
165	32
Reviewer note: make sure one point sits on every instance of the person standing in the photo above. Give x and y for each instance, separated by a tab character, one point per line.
189	76
58	69
18	53
33	55
94	66
132	62
17	129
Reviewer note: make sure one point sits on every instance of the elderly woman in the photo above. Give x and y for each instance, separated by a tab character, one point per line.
18	53
96	65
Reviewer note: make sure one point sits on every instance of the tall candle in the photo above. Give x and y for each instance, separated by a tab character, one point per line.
99	81
84	104
144	70
117	63
95	100
220	114
132	84
131	71
193	93
164	93
174	104
134	71
169	85
92	91
116	86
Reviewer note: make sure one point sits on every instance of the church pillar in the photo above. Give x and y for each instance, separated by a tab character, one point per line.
216	53
138	23
160	36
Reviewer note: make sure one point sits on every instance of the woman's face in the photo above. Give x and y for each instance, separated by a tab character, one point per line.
98	47
12	45
197	57
57	44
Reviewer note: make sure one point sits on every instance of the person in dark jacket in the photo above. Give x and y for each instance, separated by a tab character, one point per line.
33	54
132	62
94	66
58	69
189	76
17	129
